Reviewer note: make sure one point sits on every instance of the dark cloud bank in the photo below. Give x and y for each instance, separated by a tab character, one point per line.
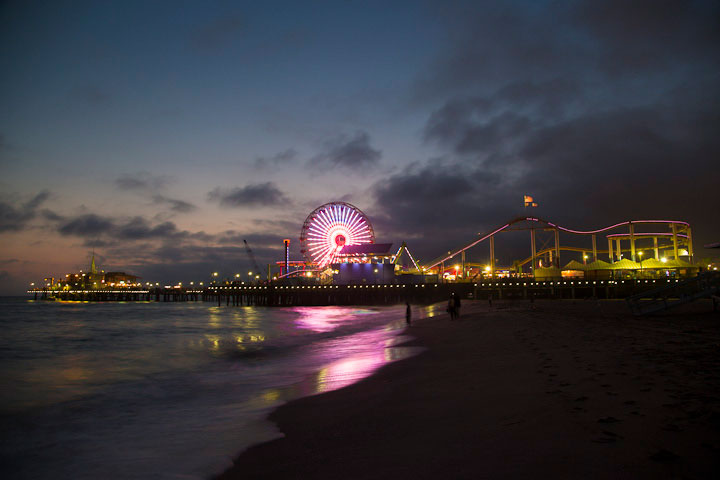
603	111
16	216
352	153
261	194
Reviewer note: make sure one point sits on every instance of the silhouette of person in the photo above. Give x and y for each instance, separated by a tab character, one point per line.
457	306
451	306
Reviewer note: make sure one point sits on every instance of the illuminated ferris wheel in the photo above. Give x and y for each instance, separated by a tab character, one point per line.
329	228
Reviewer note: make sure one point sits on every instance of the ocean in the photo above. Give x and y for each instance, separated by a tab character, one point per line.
168	390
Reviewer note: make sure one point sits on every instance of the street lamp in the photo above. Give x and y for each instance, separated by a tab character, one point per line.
640	253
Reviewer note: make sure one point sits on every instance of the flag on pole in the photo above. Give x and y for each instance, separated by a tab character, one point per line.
529	201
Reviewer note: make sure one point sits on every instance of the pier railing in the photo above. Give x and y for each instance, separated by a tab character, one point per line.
664	297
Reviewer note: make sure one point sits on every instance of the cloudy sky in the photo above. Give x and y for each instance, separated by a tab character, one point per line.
163	133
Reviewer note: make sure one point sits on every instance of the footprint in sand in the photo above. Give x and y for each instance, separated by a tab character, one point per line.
608	420
629	402
664	456
581	399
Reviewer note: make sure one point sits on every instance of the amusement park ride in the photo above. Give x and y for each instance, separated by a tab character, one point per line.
337	242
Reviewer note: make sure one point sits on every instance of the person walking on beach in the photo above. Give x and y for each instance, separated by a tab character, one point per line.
408	314
457	306
452	306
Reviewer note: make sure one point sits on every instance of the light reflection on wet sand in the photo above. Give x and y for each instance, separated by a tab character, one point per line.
350	359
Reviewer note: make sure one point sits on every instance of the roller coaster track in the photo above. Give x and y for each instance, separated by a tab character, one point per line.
548	225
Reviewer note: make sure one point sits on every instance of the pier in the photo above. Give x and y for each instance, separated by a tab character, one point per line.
366	294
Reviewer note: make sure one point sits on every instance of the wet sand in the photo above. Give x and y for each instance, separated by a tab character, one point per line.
569	389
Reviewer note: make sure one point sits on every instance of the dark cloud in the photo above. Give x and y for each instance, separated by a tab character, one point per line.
218	33
87	225
279	159
438	206
354	153
50	215
610	51
15	217
176	205
142	181
113	229
138	228
642	35
261	194
466	131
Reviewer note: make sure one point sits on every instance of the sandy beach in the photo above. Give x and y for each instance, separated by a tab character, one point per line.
558	389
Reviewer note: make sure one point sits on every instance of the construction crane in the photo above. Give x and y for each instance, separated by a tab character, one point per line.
256	268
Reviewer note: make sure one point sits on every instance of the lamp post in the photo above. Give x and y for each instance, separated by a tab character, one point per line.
640	253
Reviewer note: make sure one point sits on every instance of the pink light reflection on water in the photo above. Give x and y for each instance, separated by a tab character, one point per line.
351	370
324	319
357	356
347	359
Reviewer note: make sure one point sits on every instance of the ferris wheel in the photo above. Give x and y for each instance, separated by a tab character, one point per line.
329	228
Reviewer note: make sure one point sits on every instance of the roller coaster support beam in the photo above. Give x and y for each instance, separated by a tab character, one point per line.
655	245
492	256
594	242
631	228
675	242
689	244
557	248
610	249
532	247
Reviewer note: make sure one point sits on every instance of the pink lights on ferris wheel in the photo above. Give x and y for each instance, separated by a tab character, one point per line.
329	228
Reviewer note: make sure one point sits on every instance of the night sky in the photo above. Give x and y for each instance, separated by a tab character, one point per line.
161	134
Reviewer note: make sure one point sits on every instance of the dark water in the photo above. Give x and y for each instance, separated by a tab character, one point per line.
164	390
